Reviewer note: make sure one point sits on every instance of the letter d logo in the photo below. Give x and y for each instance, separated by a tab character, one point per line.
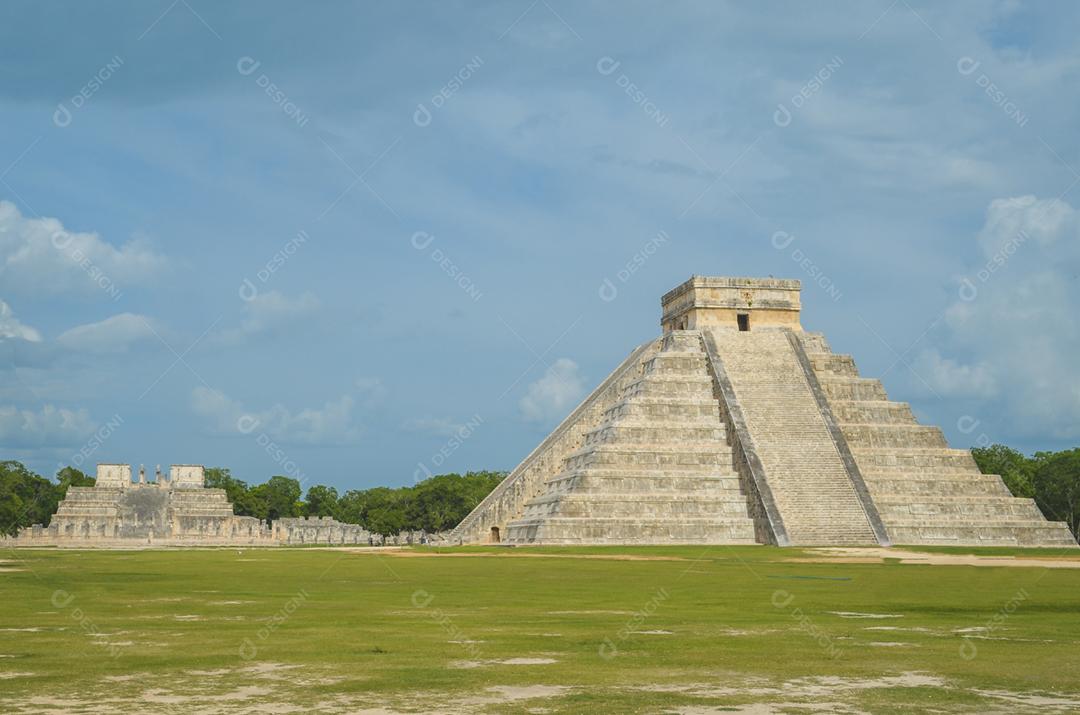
608	649
968	291
781	117
607	65
421	117
966	65
608	292
62	116
421	240
781	240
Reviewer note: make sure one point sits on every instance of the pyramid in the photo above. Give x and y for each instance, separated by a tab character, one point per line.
737	427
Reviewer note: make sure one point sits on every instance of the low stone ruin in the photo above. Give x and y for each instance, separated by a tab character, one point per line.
177	510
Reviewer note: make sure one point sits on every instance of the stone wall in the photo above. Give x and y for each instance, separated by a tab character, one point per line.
488	521
178	511
319	530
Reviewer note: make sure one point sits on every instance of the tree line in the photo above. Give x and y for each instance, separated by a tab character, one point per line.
1052	479
27	498
439	503
436	504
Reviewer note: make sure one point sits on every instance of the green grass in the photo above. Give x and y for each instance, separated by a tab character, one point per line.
1031	553
152	631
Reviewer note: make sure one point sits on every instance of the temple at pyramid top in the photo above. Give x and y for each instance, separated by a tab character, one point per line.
718	302
736	426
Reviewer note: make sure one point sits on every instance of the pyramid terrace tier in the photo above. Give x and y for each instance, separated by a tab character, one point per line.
736	426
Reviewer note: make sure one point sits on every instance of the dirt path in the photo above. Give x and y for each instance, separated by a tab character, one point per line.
878	554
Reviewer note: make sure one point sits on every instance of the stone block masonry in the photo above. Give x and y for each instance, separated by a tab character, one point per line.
735	427
178	511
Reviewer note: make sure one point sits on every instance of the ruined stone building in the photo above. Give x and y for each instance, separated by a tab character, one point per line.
736	426
175	511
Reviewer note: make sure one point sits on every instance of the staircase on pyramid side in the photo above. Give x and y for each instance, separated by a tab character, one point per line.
657	467
813	489
925	492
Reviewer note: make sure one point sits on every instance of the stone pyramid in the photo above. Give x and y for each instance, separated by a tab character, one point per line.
736	426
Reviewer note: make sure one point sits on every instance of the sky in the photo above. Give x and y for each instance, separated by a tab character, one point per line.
358	243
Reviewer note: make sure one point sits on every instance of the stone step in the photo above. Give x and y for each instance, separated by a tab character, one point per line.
676	507
661	385
893	435
564	530
950	508
852	388
680	409
614	482
808	480
682	457
871	412
76	510
979	533
915	459
942	485
815	343
832	364
631	433
672	363
682	341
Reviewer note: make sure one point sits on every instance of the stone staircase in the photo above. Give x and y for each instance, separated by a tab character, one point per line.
506	502
808	479
656	468
925	492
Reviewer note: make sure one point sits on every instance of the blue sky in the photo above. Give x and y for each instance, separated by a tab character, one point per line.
352	242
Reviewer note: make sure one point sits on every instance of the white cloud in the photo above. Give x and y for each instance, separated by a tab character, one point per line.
1017	313
949	378
112	335
39	256
1023	218
269	312
441	426
333	423
10	327
47	427
552	396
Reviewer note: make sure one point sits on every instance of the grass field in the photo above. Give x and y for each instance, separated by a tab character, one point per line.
635	630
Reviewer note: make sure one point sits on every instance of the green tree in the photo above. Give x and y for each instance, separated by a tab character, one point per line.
383	510
321	501
435	504
25	498
1057	486
72	477
279	497
237	491
1015	469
